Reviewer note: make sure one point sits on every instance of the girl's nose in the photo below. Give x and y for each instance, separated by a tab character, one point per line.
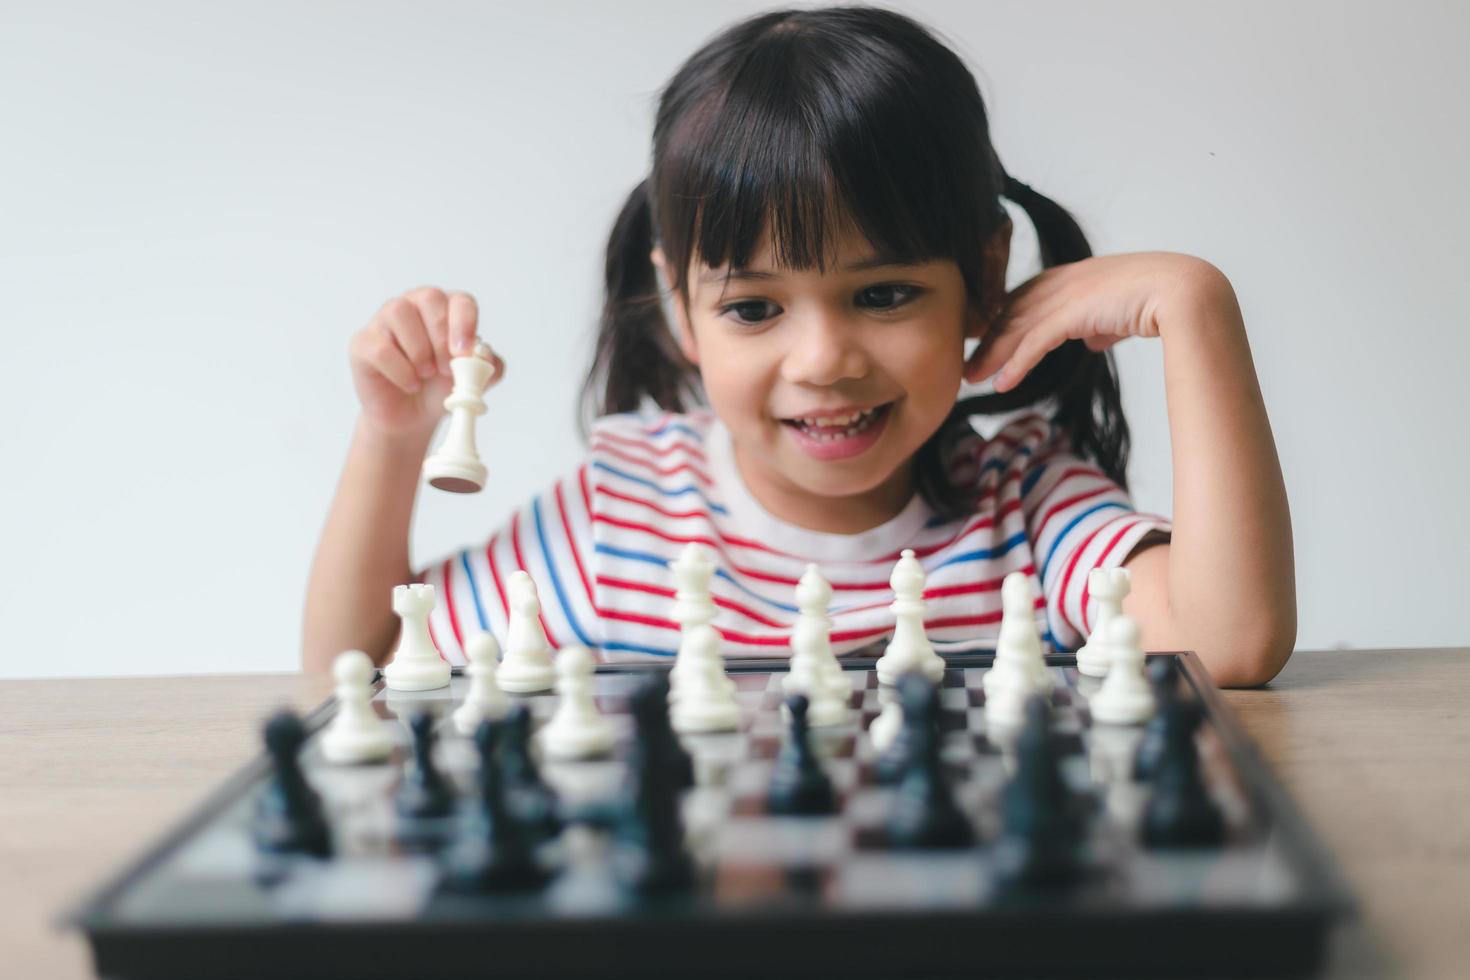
824	350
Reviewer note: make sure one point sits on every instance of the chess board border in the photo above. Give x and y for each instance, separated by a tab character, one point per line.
1285	941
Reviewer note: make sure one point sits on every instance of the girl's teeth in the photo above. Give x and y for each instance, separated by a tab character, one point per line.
837	427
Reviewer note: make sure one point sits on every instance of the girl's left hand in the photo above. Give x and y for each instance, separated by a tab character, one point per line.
1099	301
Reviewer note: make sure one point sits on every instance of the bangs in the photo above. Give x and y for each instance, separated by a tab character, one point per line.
815	133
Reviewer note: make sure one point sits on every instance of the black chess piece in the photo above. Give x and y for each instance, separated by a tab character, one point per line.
1041	820
649	828
425	793
1165	681
799	786
894	762
289	817
527	793
496	850
663	743
925	813
1181	813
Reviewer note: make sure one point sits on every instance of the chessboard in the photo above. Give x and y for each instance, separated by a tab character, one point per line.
769	895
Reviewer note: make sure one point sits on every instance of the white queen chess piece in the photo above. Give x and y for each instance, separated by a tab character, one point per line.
1108	587
455	466
356	733
527	666
484	700
416	664
1125	698
577	730
909	649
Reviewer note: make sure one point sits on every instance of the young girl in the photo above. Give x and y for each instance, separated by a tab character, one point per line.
823	219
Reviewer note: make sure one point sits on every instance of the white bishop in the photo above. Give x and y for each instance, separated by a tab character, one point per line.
909	649
1019	669
815	670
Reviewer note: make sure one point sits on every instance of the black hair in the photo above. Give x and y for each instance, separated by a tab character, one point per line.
803	119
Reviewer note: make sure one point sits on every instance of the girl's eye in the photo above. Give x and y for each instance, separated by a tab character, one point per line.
749	313
888	296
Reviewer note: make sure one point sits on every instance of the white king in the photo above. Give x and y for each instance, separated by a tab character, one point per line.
455	466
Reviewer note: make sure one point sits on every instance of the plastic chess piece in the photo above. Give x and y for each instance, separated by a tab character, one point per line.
1019	670
527	667
425	793
1125	697
496	851
577	730
355	734
1165	682
884	729
909	650
289	817
661	743
925	813
1041	823
1108	588
815	670
455	466
484	701
897	757
530	796
1180	812
799	785
693	602
649	848
705	700
416	664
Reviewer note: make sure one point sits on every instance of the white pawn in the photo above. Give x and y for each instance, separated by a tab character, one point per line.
1126	697
884	728
527	666
455	466
815	670
706	698
577	730
484	700
694	604
1108	586
1013	676
356	733
416	664
909	649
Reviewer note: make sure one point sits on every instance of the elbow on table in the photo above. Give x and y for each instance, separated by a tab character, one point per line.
1254	659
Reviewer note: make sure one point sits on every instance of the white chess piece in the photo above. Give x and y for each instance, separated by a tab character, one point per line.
356	733
884	728
1014	676
1126	697
815	670
455	466
416	664
484	700
706	700
527	666
577	730
1108	587
694	611
909	649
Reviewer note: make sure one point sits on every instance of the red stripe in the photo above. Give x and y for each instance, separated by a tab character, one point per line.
1072	566
1102	559
566	525
646	447
1068	502
656	470
705	516
434	640
628	585
449	604
495	574
515	546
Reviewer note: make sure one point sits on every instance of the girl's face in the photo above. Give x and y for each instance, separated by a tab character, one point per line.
830	382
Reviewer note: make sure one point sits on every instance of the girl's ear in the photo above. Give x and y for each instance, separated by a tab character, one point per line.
683	333
979	319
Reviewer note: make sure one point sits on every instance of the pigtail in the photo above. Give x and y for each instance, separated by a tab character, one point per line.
635	357
1082	385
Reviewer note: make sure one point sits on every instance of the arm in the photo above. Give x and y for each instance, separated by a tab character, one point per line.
1225	586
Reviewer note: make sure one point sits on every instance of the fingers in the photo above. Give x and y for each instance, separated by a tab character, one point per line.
404	321
433	307
464	321
376	348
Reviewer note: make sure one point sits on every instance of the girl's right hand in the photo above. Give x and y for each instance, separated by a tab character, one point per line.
400	360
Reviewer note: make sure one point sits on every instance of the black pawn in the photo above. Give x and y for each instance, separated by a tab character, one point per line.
527	792
1162	676
798	784
425	793
1041	823
663	743
497	850
925	813
894	762
1180	813
649	832
289	815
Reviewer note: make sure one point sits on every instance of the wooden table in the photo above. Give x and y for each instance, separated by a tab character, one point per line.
1374	745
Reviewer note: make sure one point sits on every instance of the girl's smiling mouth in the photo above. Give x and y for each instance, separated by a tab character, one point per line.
838	434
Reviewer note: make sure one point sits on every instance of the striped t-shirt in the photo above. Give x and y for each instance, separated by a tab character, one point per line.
598	544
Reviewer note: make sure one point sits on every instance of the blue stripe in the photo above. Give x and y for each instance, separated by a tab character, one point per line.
643	556
1056	542
677	427
464	560
561	595
984	553
1029	480
635	648
599	464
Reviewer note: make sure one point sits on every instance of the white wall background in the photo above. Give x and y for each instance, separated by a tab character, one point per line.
200	203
